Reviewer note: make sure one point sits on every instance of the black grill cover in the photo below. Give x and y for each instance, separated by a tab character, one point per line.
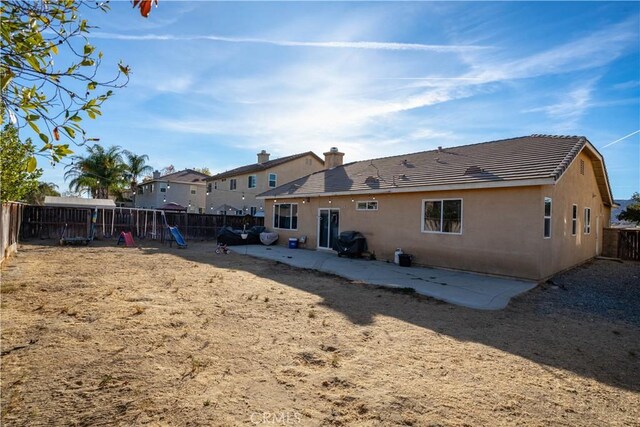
230	237
350	243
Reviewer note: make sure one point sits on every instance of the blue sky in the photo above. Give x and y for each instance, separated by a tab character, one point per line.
214	83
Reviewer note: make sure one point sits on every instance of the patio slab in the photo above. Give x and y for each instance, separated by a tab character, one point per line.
456	287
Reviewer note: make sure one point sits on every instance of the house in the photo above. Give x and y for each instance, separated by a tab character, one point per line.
234	192
524	207
186	188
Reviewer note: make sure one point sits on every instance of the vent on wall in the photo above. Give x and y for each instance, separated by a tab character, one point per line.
581	167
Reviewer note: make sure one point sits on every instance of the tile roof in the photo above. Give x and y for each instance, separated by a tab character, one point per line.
515	159
186	175
256	167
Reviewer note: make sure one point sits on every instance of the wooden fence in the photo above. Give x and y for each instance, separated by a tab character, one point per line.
621	243
45	222
10	217
629	245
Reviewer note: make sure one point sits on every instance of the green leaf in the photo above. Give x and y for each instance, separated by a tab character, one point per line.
75	118
87	62
88	49
32	163
92	85
70	131
44	137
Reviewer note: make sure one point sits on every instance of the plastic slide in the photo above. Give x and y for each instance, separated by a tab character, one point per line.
178	237
127	238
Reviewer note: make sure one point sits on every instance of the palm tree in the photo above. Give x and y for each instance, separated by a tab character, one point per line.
136	167
100	172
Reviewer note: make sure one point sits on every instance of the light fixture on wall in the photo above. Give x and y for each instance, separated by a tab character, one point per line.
329	201
168	185
164	200
242	196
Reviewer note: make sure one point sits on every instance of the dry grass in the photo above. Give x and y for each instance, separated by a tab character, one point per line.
108	335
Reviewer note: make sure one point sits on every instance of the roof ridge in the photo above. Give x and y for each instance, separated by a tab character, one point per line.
564	164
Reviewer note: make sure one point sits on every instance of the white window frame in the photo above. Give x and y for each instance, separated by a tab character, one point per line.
574	220
587	221
547	217
368	205
442	215
273	220
255	181
253	210
275	180
233	184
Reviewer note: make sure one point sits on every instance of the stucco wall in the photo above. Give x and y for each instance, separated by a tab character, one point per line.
501	230
564	250
178	192
286	172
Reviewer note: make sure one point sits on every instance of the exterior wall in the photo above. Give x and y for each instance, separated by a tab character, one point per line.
564	250
286	172
502	229
179	192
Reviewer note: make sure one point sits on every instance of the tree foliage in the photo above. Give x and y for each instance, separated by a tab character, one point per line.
18	174
632	212
43	189
102	172
205	170
136	167
52	97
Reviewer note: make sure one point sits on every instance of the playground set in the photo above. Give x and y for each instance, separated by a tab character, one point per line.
141	223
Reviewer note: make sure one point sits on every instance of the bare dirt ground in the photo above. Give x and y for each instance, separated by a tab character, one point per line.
104	335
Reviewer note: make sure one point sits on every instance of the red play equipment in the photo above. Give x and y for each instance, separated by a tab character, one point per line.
127	238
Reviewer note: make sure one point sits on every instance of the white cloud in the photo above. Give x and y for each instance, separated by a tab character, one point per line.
372	45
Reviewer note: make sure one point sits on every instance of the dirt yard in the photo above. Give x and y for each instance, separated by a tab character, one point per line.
104	335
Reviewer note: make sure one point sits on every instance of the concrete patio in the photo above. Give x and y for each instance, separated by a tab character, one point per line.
461	288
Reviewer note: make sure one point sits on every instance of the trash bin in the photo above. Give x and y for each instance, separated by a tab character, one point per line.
293	243
405	260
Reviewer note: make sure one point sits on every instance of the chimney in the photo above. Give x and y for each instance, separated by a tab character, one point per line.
333	158
263	156
156	174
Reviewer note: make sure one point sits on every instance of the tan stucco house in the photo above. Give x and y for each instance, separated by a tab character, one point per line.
186	188
234	192
525	207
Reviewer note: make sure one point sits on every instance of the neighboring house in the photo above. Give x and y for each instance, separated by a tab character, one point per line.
525	207
234	192
186	188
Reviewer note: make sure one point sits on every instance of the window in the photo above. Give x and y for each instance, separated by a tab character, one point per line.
232	184
251	181
273	180
587	220
141	190
215	185
285	216
547	218
442	216
151	188
574	220
209	188
367	206
163	189
239	212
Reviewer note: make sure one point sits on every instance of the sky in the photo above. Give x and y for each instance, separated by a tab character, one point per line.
213	83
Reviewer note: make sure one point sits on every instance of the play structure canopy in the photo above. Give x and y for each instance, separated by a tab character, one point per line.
78	202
